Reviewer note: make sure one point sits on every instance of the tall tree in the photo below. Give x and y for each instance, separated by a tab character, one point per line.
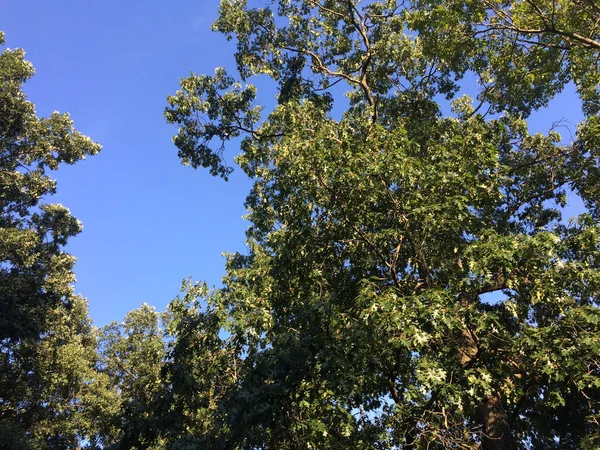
132	355
170	372
411	282
47	344
202	366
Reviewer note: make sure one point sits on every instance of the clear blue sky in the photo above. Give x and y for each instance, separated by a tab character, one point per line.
148	221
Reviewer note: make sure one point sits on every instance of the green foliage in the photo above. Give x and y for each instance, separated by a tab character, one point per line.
201	368
202	95
48	383
379	228
35	272
131	357
382	221
523	51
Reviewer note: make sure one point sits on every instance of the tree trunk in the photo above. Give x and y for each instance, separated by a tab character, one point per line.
497	434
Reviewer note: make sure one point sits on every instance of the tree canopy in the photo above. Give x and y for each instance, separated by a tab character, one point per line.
412	280
49	389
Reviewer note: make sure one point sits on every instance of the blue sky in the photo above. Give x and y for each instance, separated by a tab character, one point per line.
148	221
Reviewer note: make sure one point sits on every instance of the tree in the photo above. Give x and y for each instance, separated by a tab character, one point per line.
381	225
47	344
169	372
201	367
132	355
